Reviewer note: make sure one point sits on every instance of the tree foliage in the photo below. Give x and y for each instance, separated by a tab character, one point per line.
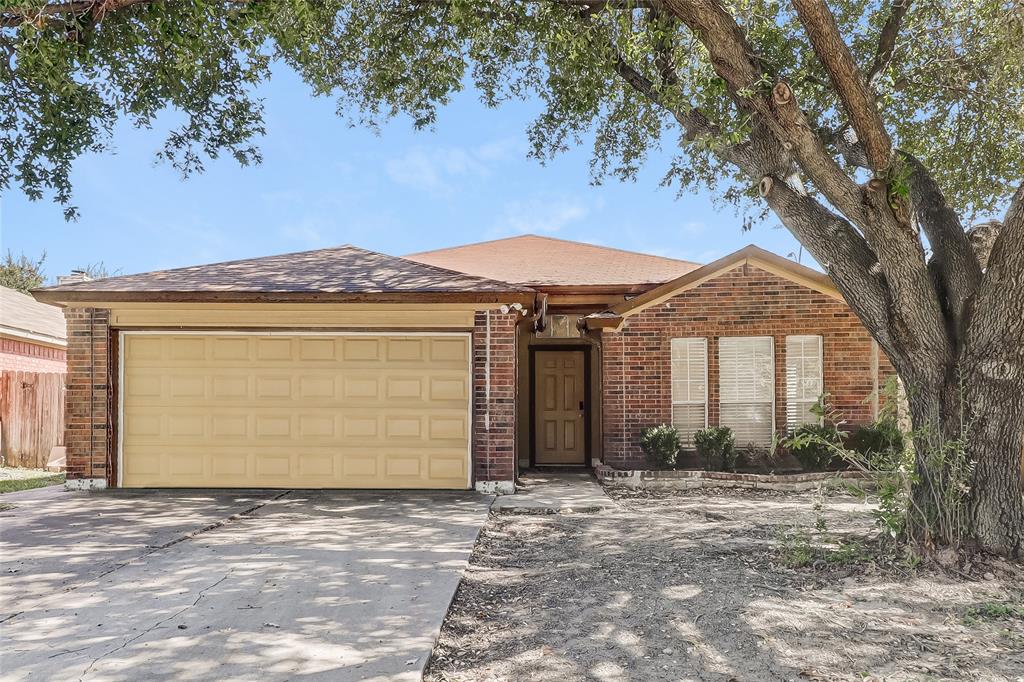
952	92
22	273
875	130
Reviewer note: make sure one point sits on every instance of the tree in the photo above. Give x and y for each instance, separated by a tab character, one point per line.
22	273
875	130
97	270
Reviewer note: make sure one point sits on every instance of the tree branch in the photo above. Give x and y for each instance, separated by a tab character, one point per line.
734	60
852	89
844	254
917	311
65	12
887	41
953	262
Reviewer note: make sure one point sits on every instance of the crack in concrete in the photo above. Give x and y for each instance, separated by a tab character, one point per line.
190	535
156	548
65	653
199	597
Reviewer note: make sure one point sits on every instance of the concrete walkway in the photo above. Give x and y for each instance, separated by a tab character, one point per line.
555	492
229	585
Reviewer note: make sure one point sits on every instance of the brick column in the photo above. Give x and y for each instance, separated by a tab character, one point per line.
87	426
494	401
613	386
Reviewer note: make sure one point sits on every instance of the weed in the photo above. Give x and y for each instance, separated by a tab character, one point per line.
993	611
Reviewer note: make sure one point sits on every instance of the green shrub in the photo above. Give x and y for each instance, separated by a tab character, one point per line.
881	443
758	458
716	446
661	445
817	447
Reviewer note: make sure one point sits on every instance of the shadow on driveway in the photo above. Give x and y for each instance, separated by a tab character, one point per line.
336	585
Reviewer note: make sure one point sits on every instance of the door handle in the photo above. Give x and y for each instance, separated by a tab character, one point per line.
581	406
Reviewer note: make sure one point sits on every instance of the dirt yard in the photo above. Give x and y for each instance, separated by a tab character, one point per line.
721	586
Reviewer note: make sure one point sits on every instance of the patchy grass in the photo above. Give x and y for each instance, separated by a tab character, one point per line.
13	479
989	611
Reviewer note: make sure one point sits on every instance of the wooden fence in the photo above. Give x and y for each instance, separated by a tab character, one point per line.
31	417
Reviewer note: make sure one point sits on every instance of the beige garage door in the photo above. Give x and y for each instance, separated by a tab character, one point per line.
295	410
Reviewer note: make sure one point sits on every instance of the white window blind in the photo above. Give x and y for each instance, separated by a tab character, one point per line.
689	387
746	370
804	379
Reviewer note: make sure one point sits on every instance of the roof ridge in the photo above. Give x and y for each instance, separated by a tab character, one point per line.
449	271
554	239
459	246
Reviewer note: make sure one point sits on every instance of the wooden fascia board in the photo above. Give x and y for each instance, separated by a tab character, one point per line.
108	298
35	338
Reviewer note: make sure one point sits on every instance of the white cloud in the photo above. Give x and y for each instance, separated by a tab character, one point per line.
501	150
438	169
540	215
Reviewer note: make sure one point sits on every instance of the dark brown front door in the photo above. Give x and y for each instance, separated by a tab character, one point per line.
559	402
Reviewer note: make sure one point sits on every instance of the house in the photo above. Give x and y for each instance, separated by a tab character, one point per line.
447	369
33	337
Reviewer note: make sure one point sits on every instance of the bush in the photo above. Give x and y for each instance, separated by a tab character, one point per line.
817	447
661	445
716	446
758	458
881	443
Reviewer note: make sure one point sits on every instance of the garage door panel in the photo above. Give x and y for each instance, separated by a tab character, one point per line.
295	411
405	350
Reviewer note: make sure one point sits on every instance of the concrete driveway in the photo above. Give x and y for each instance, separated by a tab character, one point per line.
222	585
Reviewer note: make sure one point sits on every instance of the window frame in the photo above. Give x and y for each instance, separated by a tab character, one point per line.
672	379
790	427
774	386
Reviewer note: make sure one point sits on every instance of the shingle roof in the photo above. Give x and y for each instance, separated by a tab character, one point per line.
538	261
340	270
23	317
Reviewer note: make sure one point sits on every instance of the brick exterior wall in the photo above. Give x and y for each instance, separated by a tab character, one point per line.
494	411
746	301
87	432
17	355
90	396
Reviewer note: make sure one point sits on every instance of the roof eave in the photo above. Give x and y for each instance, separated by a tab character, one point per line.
610	289
39	338
78	297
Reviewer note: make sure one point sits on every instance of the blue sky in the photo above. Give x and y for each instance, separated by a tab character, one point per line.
323	183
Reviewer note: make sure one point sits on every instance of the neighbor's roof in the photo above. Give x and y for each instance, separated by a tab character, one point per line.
748	255
538	261
342	273
25	318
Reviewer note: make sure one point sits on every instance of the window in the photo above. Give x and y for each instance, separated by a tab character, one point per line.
689	387
561	327
804	384
746	369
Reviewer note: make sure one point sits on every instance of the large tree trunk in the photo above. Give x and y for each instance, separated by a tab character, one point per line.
969	435
996	441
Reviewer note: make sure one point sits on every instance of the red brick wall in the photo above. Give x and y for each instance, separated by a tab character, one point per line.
494	411
89	433
17	355
745	301
87	399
